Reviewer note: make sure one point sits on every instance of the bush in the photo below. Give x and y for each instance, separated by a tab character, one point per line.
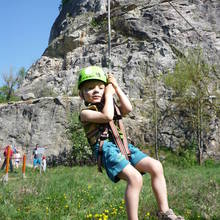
182	157
81	152
211	163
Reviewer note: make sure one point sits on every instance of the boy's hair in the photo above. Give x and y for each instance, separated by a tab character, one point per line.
91	73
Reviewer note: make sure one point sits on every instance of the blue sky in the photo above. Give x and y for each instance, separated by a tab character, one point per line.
25	28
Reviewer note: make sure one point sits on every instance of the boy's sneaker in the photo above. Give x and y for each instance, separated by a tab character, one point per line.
168	215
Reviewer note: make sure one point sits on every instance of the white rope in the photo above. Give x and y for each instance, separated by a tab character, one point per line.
109	37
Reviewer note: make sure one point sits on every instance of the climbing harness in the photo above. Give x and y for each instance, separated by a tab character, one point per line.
121	143
98	134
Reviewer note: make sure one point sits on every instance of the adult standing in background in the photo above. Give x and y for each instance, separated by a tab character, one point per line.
7	150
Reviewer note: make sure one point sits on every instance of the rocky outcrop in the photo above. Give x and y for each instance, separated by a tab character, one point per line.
147	38
42	121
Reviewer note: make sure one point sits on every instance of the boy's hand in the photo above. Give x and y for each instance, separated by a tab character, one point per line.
109	89
112	80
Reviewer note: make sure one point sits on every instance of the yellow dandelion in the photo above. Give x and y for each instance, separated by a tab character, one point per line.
147	214
105	217
96	215
89	216
66	206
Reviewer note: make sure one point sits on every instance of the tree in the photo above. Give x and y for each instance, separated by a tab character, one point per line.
193	91
21	75
11	82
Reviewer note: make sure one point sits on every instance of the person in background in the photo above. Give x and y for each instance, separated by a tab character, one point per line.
17	158
37	157
6	151
44	163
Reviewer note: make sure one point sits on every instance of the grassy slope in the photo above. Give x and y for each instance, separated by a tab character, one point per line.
82	192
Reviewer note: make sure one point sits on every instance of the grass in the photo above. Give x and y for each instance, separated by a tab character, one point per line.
65	193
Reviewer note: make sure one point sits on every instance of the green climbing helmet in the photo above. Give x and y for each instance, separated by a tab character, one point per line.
90	73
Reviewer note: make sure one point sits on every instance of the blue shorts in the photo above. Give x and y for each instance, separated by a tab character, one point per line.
114	162
37	161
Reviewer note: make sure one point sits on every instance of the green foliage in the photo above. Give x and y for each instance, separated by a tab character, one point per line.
191	85
101	23
211	163
94	23
3	95
183	158
80	153
81	149
11	83
21	75
83	193
190	77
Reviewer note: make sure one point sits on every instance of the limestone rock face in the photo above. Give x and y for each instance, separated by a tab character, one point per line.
42	121
147	38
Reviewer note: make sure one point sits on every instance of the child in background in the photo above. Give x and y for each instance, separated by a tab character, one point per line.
17	158
97	91
44	163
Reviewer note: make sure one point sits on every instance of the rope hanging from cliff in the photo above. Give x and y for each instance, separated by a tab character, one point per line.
109	37
185	19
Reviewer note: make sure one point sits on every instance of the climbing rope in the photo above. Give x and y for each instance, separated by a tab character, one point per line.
185	20
109	36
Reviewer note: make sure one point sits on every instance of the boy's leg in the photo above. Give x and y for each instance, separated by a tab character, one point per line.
154	167
134	185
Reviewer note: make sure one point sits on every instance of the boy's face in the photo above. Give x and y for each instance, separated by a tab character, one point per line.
92	91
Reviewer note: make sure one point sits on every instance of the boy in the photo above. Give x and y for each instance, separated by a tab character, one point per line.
97	91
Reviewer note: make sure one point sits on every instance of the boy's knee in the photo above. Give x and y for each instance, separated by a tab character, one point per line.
157	168
136	178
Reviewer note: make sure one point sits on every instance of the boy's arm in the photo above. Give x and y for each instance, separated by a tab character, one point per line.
107	113
125	104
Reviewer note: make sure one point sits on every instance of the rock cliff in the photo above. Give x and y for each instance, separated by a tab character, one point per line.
42	121
147	38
